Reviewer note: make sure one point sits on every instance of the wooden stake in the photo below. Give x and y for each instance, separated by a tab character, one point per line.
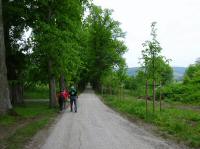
160	96
154	95
147	94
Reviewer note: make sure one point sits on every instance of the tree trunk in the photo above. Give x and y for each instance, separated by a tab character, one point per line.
147	96
16	93
154	94
62	82
52	87
160	96
5	104
52	92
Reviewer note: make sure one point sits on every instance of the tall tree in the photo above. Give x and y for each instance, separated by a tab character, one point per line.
15	17
56	37
155	66
105	43
4	90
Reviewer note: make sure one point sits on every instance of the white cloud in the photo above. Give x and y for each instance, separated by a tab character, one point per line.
178	27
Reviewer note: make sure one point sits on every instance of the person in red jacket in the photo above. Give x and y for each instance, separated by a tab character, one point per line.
66	97
63	96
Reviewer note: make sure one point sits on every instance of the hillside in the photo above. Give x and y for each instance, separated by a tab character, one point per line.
178	72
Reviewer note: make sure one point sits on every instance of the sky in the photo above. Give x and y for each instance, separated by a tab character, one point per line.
178	24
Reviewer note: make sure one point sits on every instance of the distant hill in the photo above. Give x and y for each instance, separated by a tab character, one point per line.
132	71
178	72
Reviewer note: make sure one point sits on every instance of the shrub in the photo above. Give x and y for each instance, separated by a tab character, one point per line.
181	92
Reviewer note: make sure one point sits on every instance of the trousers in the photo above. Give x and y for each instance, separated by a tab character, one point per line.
73	101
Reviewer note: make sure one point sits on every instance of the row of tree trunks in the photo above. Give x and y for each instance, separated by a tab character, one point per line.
5	103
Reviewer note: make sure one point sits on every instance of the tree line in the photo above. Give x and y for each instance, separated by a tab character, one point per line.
76	42
70	42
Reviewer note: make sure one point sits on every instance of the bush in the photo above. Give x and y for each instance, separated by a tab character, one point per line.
181	92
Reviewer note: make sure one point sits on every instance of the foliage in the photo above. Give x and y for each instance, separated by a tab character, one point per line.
137	83
183	125
192	74
105	44
56	36
31	117
189	90
188	93
155	66
15	25
36	92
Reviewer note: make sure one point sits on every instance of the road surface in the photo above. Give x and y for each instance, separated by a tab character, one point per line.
95	126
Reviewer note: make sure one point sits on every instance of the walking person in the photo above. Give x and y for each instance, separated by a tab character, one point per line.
73	98
66	95
61	98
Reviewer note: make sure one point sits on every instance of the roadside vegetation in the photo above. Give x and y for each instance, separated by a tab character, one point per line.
67	47
173	107
47	51
22	122
181	125
36	92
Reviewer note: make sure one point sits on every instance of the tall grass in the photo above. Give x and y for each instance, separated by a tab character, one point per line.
182	125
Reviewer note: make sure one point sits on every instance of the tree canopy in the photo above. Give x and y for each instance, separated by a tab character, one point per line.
153	63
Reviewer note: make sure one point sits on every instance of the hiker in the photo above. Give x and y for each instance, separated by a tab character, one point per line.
62	99
66	95
73	98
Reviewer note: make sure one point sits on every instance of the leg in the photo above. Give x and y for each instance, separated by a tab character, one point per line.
64	104
75	104
60	104
71	104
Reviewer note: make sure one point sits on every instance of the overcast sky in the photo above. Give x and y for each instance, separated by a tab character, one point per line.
178	24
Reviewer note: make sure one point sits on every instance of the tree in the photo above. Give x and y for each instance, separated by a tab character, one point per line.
56	37
14	16
4	90
192	74
155	66
153	63
105	43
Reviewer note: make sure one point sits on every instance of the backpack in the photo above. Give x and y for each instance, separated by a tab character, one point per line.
73	92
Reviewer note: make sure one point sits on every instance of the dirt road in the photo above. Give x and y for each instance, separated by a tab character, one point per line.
95	126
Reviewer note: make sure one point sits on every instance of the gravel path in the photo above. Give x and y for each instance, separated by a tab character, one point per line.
95	126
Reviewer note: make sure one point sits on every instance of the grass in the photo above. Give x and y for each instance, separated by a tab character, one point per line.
27	120
37	92
179	124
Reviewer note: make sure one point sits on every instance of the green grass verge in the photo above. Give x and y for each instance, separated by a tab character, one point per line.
37	92
182	125
29	119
